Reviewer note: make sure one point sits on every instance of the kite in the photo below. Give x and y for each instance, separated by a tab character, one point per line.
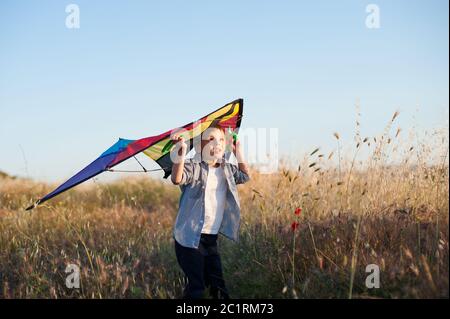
156	147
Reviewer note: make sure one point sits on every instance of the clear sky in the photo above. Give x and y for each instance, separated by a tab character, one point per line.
138	68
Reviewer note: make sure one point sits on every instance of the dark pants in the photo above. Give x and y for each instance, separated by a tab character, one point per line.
203	268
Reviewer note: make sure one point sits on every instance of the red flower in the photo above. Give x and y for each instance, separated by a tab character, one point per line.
294	226
298	211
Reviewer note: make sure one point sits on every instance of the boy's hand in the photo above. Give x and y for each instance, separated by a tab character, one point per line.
177	154
180	146
237	148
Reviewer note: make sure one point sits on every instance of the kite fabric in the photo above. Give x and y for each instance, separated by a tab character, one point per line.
156	147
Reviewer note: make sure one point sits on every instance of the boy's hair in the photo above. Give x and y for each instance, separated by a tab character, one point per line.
217	126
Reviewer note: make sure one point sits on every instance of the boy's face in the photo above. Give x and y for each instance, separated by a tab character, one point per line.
213	144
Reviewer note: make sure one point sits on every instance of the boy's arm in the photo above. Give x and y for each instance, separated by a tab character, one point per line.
177	155
240	158
242	174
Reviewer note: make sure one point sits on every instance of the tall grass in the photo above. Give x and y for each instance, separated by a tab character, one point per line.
388	207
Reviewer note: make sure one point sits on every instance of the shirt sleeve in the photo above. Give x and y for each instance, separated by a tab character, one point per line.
240	177
188	172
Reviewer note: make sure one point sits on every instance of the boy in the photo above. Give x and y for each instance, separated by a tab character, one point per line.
209	204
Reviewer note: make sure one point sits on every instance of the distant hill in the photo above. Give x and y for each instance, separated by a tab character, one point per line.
4	175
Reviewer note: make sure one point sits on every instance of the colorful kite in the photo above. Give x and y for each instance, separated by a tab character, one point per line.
156	147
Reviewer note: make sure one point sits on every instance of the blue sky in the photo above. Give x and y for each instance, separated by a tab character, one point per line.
137	68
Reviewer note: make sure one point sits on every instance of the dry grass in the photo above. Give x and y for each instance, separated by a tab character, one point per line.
389	209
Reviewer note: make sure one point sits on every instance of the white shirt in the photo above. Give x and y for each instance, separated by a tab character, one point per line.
215	198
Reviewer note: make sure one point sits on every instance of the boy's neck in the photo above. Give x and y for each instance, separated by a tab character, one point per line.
213	163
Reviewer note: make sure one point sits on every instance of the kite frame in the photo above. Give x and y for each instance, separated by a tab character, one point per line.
239	101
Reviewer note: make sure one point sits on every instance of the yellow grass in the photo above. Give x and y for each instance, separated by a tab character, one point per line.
388	207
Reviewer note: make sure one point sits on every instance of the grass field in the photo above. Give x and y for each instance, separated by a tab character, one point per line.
389	208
